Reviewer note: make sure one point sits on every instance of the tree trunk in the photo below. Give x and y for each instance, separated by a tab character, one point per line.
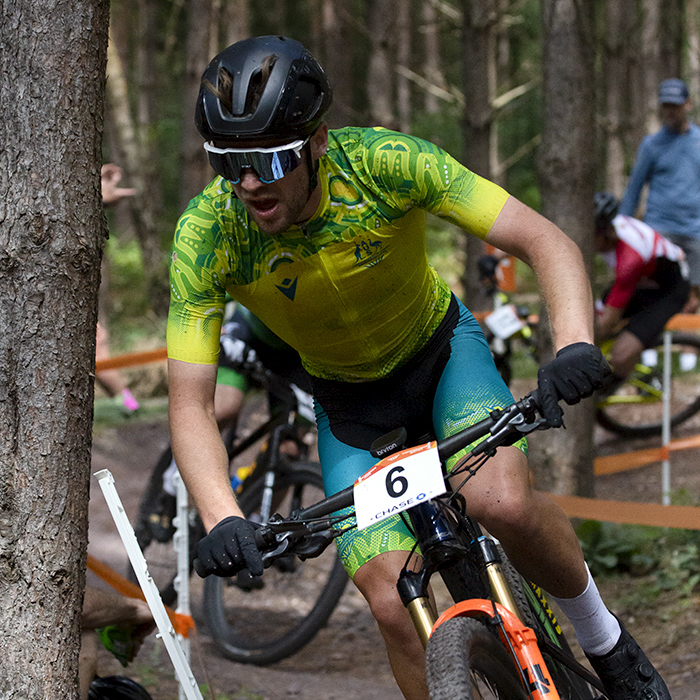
52	232
196	172
431	66
479	68
337	59
563	459
403	57
618	14
380	79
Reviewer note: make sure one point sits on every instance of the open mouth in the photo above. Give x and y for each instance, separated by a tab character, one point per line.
263	206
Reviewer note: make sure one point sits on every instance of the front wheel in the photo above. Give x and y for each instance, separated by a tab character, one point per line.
464	660
634	408
266	619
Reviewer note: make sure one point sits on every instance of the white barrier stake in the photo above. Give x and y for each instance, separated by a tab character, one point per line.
181	542
149	588
666	421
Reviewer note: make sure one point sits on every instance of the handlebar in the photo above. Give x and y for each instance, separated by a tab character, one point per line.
503	427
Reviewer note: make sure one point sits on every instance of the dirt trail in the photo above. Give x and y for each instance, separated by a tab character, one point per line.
347	659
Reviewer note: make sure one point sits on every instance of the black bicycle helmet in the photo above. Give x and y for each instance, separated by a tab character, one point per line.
292	104
606	207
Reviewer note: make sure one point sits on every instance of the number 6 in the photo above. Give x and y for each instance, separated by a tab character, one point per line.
398	486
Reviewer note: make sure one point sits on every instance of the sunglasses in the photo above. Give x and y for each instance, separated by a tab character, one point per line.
269	164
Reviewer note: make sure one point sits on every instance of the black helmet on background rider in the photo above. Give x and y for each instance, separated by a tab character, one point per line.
293	101
606	207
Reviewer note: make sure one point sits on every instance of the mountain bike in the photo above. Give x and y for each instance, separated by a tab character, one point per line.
501	638
634	408
238	613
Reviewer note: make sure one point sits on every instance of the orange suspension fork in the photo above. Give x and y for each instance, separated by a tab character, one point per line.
521	638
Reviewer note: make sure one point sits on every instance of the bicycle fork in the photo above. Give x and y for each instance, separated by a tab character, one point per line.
439	546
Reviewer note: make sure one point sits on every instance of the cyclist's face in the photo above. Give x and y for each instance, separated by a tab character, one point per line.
275	206
675	117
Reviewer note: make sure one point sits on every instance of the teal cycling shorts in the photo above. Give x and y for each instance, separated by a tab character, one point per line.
454	380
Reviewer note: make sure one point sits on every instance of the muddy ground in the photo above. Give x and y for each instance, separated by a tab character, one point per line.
347	660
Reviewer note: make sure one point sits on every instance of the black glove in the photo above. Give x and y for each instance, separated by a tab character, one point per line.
575	373
229	548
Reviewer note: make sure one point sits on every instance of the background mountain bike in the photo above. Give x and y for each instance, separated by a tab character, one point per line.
633	408
238	612
501	638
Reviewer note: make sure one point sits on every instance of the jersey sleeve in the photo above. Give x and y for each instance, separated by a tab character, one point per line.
628	271
411	172
198	271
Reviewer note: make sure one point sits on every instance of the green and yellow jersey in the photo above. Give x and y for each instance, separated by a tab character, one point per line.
352	290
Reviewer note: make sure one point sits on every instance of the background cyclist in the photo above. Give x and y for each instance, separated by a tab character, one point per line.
651	283
244	340
322	236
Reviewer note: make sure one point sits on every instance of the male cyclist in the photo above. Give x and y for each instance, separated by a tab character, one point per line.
651	282
321	234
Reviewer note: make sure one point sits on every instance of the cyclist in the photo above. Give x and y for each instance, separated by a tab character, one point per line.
321	234
651	283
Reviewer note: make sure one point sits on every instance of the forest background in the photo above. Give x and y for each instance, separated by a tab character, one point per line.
549	98
465	75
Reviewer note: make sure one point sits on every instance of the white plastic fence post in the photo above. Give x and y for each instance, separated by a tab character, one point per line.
181	542
149	588
666	421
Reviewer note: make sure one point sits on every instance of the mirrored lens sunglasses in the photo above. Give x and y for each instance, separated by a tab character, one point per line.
269	164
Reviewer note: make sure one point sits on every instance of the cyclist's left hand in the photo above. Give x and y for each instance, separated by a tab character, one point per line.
575	373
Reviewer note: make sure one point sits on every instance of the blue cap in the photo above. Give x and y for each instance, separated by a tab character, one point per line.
673	91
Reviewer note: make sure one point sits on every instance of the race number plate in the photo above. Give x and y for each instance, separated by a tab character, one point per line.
397	483
504	322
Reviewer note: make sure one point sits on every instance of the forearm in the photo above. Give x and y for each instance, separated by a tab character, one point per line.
197	446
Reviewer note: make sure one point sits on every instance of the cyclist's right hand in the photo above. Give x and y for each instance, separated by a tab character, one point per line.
228	549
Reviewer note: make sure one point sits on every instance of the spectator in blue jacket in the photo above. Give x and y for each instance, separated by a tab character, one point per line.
669	163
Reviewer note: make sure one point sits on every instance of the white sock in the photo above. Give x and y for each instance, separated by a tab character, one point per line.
597	629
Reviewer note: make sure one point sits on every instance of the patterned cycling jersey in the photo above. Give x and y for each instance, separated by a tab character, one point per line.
351	290
635	258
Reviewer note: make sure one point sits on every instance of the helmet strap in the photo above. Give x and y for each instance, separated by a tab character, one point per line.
313	170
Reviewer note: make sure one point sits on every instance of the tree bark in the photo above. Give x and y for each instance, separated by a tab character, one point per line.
618	15
431	66
480	136
563	459
336	57
196	172
52	233
380	79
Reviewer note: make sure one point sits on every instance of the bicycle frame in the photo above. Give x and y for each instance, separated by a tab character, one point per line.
440	547
452	545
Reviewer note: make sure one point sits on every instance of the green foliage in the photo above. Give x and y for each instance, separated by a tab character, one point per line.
670	555
129	313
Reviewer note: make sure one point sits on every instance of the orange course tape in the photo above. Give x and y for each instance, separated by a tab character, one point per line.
182	623
132	359
652	514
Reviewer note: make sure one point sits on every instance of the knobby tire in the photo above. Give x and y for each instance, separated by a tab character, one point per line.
465	660
622	419
251	626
